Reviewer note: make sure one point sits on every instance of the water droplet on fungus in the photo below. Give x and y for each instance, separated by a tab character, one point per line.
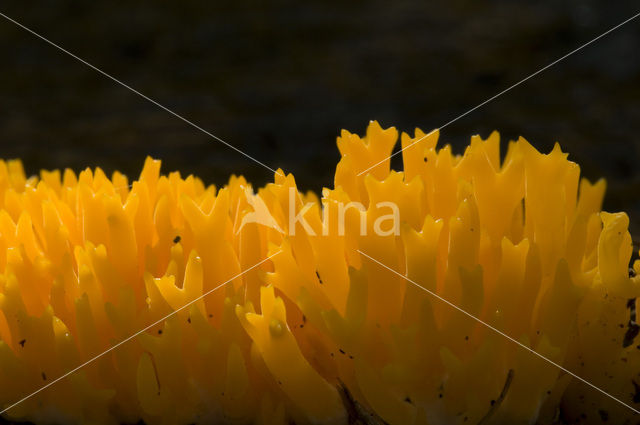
276	327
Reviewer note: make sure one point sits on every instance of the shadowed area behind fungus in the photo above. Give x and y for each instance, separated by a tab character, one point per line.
279	81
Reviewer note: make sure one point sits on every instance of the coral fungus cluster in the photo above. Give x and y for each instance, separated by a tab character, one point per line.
319	333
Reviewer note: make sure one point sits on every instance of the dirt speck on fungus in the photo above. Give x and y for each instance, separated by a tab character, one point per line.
495	404
604	415
636	394
357	413
632	327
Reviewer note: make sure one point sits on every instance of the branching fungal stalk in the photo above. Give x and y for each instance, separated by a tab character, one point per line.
320	333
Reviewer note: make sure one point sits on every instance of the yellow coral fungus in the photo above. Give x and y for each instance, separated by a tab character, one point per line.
184	303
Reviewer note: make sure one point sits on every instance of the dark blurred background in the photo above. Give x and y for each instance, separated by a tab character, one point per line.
280	80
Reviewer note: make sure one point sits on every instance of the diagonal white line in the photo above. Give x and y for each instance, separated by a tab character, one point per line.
72	371
175	114
501	333
505	90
